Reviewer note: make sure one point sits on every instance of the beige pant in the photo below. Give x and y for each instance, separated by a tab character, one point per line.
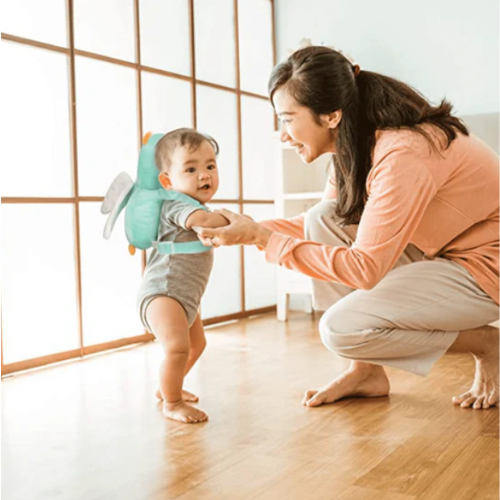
409	319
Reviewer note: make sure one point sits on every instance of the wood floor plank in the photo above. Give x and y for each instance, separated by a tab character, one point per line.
467	478
247	479
320	484
92	430
421	460
358	493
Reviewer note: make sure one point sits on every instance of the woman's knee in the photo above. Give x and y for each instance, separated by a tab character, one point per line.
342	330
315	217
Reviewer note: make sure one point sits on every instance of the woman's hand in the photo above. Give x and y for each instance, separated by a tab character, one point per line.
242	230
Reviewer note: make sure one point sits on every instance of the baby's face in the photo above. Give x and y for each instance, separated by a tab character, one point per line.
195	173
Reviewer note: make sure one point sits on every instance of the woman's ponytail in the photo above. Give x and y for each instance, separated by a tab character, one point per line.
325	81
388	103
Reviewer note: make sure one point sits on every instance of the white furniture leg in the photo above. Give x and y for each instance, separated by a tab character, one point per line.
282	306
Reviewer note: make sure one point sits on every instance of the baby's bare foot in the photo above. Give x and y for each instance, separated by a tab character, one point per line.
186	396
182	412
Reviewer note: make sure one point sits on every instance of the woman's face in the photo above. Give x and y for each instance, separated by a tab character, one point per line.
301	131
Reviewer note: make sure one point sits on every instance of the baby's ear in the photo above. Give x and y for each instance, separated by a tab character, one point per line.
165	180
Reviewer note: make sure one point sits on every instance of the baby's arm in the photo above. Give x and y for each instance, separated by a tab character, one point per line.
205	219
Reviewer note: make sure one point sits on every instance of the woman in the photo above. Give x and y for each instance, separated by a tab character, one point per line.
409	222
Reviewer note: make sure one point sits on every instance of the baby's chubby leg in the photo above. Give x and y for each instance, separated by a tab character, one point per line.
169	324
198	343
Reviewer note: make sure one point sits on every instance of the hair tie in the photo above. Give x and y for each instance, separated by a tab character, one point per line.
356	69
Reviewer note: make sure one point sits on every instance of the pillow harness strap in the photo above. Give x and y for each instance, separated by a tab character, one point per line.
173	247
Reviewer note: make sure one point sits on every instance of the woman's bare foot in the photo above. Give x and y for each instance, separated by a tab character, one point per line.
182	412
484	391
186	396
361	379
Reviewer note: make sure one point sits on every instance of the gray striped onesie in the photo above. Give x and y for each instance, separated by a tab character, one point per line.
182	277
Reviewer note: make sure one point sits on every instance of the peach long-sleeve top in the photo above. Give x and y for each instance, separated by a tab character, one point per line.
446	204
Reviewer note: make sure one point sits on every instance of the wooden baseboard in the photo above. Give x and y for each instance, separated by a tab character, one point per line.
29	364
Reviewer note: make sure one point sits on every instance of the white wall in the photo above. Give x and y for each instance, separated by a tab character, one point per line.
441	47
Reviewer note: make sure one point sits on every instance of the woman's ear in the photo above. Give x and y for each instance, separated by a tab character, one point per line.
165	180
333	119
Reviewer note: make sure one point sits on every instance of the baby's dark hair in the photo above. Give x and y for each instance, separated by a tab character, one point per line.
179	138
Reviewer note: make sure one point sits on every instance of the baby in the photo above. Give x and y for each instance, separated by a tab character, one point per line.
172	286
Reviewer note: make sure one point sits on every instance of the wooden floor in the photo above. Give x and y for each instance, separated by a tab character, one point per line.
92	429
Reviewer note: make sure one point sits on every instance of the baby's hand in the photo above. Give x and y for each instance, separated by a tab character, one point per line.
242	230
204	239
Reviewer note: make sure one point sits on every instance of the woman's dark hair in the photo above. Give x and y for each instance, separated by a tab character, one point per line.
325	81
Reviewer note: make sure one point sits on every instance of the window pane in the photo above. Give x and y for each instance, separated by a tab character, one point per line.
260	276
217	117
214	42
256	45
106	101
223	293
110	280
43	21
166	103
36	134
257	123
105	28
165	41
39	302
